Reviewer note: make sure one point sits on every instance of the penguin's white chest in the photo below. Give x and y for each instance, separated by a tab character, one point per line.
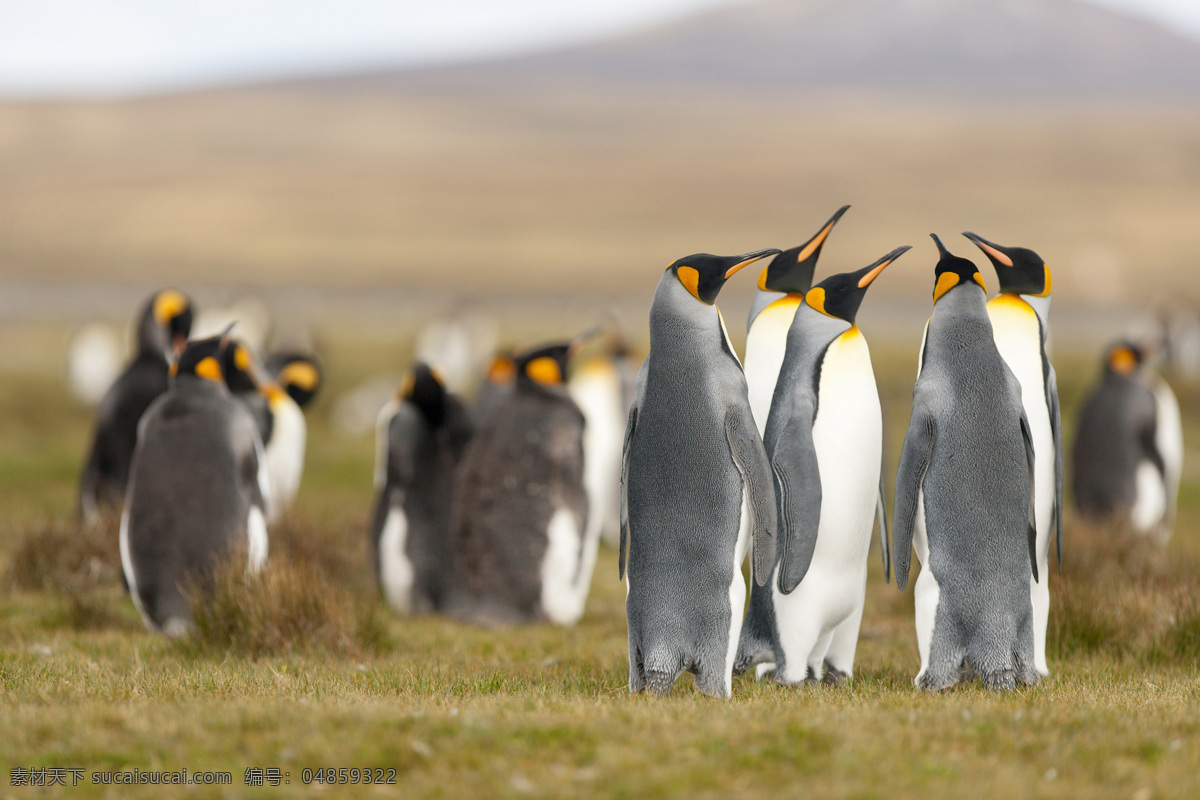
766	345
848	438
395	569
285	454
596	389
1018	337
562	598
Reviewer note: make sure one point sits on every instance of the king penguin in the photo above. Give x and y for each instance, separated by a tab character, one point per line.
1020	317
281	425
518	529
596	387
781	288
695	488
825	444
1119	469
965	496
420	442
162	331
197	489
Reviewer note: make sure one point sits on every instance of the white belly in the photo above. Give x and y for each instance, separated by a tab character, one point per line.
926	592
1151	504
395	570
257	543
848	437
1168	436
737	590
285	455
1017	334
563	590
596	389
766	344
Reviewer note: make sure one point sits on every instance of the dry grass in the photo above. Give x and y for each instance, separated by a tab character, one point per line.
1122	595
301	602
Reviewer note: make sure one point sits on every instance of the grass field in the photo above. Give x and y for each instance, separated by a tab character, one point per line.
540	711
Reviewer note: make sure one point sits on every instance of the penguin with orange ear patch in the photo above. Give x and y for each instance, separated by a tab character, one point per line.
825	443
1119	469
162	331
695	487
519	519
197	489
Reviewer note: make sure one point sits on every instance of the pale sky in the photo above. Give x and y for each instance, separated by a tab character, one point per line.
89	47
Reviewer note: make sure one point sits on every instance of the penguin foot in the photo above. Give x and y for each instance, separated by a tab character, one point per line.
751	653
1004	679
834	676
659	683
765	669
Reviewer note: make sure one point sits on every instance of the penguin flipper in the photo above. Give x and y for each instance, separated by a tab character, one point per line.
625	534
798	490
1056	430
884	537
1027	435
751	461
914	460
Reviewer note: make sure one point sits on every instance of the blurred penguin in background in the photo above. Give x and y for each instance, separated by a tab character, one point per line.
280	422
298	374
596	387
95	358
519	526
162	331
458	346
497	383
1120	467
197	490
421	437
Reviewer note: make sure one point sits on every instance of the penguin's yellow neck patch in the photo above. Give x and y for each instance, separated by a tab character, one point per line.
168	305
209	369
273	392
816	300
979	279
690	279
762	279
945	282
787	301
300	374
545	370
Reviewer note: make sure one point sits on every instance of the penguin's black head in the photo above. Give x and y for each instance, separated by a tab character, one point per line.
424	389
1124	358
1019	270
165	323
841	295
703	275
952	270
202	358
237	365
298	373
792	270
545	365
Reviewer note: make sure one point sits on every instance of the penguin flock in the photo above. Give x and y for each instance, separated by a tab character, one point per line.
782	460
199	447
492	510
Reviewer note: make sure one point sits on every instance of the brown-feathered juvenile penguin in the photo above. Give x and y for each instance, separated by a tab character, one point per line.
163	328
519	520
421	438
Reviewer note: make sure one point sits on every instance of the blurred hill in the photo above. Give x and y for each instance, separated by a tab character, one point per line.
1044	49
588	171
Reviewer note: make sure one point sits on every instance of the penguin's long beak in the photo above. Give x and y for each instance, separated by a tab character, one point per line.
993	251
814	244
942	251
749	258
879	266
